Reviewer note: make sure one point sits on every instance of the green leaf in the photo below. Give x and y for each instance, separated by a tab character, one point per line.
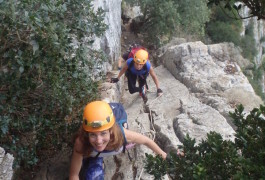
21	69
4	123
64	7
75	75
35	46
55	37
39	100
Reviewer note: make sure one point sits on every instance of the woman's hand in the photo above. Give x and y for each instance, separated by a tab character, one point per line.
180	153
114	80
164	155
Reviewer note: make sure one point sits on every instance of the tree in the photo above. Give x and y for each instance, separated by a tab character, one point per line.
215	158
248	42
257	7
159	20
221	28
163	19
46	72
193	16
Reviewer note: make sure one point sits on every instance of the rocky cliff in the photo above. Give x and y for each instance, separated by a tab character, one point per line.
110	41
57	168
6	162
201	84
259	33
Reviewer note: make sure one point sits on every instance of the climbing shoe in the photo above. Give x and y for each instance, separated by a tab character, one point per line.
144	98
143	94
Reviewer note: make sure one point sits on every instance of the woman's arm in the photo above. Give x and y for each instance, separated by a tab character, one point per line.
125	67
134	137
153	75
76	161
114	80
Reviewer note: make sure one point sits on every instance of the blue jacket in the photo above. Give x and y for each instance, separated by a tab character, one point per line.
143	71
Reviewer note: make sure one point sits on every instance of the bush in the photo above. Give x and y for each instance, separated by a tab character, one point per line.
222	32
215	158
193	16
46	73
222	28
256	80
161	20
248	43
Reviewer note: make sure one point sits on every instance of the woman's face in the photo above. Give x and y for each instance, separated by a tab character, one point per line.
138	66
99	140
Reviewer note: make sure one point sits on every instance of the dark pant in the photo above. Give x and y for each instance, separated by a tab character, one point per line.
132	82
92	169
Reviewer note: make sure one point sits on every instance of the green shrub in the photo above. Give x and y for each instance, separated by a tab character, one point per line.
248	43
222	28
46	73
220	31
193	16
215	158
262	40
256	9
256	83
161	20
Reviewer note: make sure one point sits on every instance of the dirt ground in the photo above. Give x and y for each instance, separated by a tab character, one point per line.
129	38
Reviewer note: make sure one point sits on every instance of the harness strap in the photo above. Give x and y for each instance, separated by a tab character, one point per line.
129	156
145	66
97	155
125	140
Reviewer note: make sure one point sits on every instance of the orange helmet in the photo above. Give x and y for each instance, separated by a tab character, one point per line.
98	116
141	56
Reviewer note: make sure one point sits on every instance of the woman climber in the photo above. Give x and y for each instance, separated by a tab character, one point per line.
138	67
101	135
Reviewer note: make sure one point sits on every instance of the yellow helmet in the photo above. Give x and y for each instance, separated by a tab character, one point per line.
98	116
141	56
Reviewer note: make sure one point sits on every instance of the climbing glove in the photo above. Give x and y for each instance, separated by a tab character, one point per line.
159	92
173	154
114	80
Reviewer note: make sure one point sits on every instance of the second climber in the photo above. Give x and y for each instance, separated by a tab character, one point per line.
138	68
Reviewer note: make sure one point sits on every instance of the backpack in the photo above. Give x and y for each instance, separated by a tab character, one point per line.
132	52
120	118
120	114
134	49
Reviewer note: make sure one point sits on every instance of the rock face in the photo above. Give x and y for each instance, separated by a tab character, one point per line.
110	41
258	31
201	84
212	74
6	162
58	167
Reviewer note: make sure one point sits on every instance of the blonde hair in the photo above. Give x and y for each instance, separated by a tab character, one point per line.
115	143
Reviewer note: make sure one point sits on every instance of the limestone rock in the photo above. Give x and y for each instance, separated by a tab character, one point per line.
211	73
6	163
